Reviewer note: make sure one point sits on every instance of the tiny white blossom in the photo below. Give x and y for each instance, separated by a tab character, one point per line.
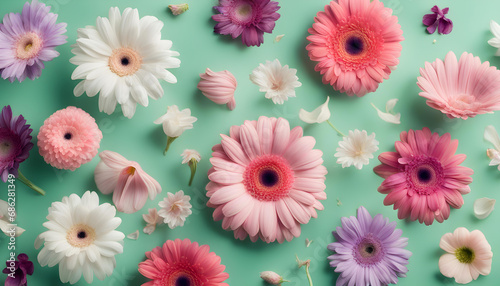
175	122
356	149
175	208
190	154
152	219
278	82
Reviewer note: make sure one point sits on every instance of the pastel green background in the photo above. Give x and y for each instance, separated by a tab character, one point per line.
140	140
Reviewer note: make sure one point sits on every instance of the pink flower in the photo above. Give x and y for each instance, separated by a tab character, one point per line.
423	178
178	9
219	87
272	278
469	254
266	180
356	44
69	138
460	89
151	219
126	179
182	262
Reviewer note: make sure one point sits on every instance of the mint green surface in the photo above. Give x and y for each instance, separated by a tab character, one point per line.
140	140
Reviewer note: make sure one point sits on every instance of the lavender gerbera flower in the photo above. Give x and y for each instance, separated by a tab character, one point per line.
22	267
369	251
248	18
29	39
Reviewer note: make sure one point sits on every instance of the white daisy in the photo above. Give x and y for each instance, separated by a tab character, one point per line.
122	59
81	238
495	42
356	149
175	209
277	82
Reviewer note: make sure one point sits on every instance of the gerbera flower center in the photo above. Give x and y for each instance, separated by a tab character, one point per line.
67	136
268	178
9	145
368	250
463	102
125	61
354	45
181	274
183	281
424	175
80	235
465	255
241	13
28	46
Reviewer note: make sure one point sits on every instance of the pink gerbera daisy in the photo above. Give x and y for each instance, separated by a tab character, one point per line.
69	138
460	89
248	18
180	262
356	44
266	180
423	177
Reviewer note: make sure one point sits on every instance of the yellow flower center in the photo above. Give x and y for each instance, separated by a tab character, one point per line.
80	235
465	255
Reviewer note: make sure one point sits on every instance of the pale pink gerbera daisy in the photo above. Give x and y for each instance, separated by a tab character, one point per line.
182	262
460	89
423	177
69	138
356	44
266	180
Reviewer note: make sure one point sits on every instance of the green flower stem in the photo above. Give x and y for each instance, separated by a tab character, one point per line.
192	165
308	275
28	183
335	128
169	141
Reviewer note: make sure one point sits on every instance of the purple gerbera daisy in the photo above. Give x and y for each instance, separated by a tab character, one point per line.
248	18
22	267
369	251
29	39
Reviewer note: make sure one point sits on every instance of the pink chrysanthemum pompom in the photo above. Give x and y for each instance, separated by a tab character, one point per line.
219	87
69	138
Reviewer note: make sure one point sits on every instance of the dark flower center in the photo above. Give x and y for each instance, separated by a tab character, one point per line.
183	281
125	61
354	45
4	147
368	250
67	136
82	234
424	175
269	177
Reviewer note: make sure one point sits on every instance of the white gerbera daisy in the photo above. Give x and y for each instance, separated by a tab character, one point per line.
175	209
277	82
495	41
356	149
122	59
81	238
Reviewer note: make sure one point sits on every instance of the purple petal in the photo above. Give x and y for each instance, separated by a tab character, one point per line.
16	281
445	26
431	29
429	19
436	9
445	10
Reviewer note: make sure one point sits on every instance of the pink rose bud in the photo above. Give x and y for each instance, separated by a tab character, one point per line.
178	9
219	87
272	278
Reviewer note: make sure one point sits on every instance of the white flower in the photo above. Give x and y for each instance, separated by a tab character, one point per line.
5	223
277	82
122	59
152	219
389	116
483	207
272	278
175	122
175	209
318	115
491	135
81	238
495	42
356	149
189	155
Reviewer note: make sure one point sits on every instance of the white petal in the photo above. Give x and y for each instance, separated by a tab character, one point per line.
391	103
483	207
388	117
495	28
491	135
134	235
318	115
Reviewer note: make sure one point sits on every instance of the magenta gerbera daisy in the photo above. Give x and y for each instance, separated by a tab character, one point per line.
460	89
356	44
69	138
248	18
266	180
29	39
423	178
369	251
183	263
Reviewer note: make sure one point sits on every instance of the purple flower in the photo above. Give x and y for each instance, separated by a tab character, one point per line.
438	20
369	251
20	269
15	142
248	18
27	40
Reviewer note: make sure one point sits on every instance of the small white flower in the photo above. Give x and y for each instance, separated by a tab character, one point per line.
4	220
483	207
175	209
491	135
190	154
495	42
175	122
152	219
318	115
356	149
178	9
272	278
277	82
389	116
